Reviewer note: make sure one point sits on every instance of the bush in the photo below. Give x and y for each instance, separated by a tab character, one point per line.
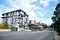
4	25
13	29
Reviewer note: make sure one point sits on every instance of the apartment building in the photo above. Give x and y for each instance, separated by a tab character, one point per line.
32	23
17	18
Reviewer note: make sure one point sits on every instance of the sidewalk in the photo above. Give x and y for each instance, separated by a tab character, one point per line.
56	36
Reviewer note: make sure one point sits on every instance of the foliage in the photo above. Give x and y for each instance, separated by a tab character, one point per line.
37	27
13	28
56	18
44	25
5	25
34	28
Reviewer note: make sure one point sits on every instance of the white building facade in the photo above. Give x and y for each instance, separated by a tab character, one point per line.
17	18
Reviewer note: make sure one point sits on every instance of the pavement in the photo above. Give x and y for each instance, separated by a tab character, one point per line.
56	36
27	35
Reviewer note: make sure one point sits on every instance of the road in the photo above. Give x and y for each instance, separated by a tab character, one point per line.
26	35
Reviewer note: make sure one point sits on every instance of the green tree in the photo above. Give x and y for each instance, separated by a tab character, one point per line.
0	25
4	25
44	25
56	18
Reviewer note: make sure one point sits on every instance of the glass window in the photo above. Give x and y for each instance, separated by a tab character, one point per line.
22	13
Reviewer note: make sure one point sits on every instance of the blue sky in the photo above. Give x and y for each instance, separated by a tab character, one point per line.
39	10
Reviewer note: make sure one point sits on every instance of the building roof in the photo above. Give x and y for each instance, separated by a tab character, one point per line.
15	11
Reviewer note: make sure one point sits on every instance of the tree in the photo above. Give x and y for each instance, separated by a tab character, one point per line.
4	25
0	25
44	25
56	18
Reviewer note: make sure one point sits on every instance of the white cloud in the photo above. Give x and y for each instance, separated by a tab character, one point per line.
41	12
0	15
28	8
45	2
24	5
55	0
46	21
12	4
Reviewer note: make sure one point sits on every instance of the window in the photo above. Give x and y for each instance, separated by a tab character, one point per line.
20	26
19	15
22	13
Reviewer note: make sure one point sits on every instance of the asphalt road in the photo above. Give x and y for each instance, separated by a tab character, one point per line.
24	35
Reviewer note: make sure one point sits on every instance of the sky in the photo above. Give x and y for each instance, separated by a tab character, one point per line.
39	10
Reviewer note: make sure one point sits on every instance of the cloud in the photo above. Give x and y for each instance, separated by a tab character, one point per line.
35	12
46	21
40	11
0	15
45	2
24	5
